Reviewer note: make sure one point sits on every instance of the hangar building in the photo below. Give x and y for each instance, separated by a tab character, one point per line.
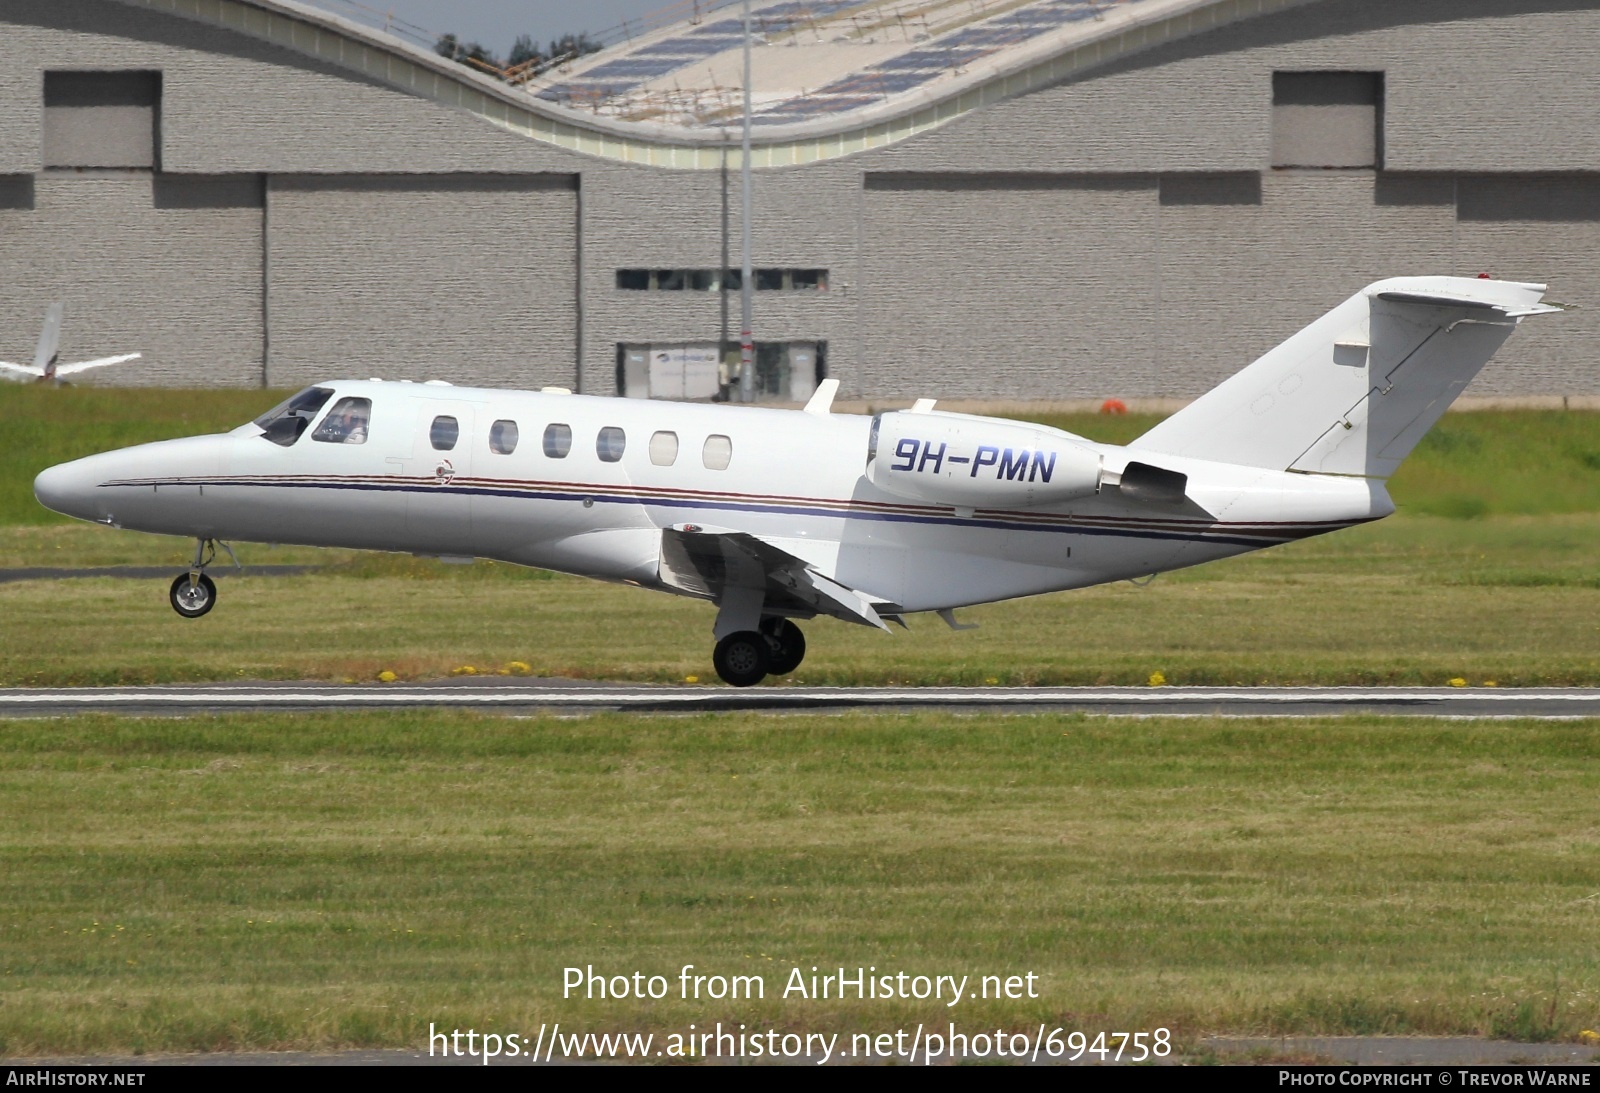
982	199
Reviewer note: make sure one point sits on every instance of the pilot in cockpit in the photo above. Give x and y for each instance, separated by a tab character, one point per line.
346	423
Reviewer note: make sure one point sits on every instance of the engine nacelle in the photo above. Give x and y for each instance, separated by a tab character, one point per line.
971	462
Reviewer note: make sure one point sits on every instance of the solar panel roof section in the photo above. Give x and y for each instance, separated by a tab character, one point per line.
932	57
689	46
640	68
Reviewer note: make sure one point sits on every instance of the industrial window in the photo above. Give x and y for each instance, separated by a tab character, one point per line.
717	453
1327	119
557	440
444	433
346	423
769	279
101	119
664	449
503	437
610	444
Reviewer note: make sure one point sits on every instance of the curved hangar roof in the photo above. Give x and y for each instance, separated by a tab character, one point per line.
831	77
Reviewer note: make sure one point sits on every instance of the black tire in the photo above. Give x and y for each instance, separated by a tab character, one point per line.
786	646
191	603
741	658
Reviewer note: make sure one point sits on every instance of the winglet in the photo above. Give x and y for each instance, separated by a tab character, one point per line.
821	402
923	405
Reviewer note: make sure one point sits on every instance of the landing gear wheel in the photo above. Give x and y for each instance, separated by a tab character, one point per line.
741	658
786	646
193	600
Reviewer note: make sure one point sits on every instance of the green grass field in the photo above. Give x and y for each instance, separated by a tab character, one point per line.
325	881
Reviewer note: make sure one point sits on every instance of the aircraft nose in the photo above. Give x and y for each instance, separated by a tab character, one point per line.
68	488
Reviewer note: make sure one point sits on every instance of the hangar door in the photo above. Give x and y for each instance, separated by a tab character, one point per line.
1003	286
467	278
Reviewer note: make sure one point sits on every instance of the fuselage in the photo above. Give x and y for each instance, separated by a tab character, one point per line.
586	485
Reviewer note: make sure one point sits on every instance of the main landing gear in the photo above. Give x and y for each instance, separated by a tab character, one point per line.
193	593
746	657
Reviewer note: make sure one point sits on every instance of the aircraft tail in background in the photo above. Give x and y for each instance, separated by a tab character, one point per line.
1355	391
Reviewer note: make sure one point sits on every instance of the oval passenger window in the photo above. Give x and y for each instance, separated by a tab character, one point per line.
610	444
718	452
557	441
503	437
664	449
444	433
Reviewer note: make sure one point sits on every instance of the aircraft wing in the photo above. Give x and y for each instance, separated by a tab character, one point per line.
99	362
705	561
19	369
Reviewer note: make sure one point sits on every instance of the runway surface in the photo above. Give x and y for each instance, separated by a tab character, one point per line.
511	695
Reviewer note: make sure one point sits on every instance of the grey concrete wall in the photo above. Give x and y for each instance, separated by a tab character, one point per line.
1001	288
1470	85
1009	288
470	279
179	281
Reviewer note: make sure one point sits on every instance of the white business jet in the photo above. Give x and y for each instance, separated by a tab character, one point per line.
46	356
777	515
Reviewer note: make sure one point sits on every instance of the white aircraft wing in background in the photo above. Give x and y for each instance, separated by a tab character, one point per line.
100	362
48	352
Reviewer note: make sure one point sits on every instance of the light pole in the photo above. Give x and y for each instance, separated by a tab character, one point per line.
747	345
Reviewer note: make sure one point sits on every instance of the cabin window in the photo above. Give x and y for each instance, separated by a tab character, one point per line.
284	423
346	423
664	449
444	433
718	453
503	437
610	444
557	441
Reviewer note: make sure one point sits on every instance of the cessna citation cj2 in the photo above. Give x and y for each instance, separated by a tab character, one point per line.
778	515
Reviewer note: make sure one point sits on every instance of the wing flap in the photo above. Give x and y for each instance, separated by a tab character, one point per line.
708	562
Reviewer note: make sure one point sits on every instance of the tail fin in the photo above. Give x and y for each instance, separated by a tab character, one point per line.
45	356
1353	392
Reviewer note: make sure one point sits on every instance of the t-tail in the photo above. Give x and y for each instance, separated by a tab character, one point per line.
1354	392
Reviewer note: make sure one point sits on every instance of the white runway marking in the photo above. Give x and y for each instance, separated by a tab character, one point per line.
1441	701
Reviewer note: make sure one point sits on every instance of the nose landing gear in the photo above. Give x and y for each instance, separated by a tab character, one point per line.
746	657
193	593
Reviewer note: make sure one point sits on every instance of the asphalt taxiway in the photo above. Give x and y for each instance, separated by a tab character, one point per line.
518	695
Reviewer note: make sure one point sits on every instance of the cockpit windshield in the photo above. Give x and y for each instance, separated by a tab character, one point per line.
286	421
